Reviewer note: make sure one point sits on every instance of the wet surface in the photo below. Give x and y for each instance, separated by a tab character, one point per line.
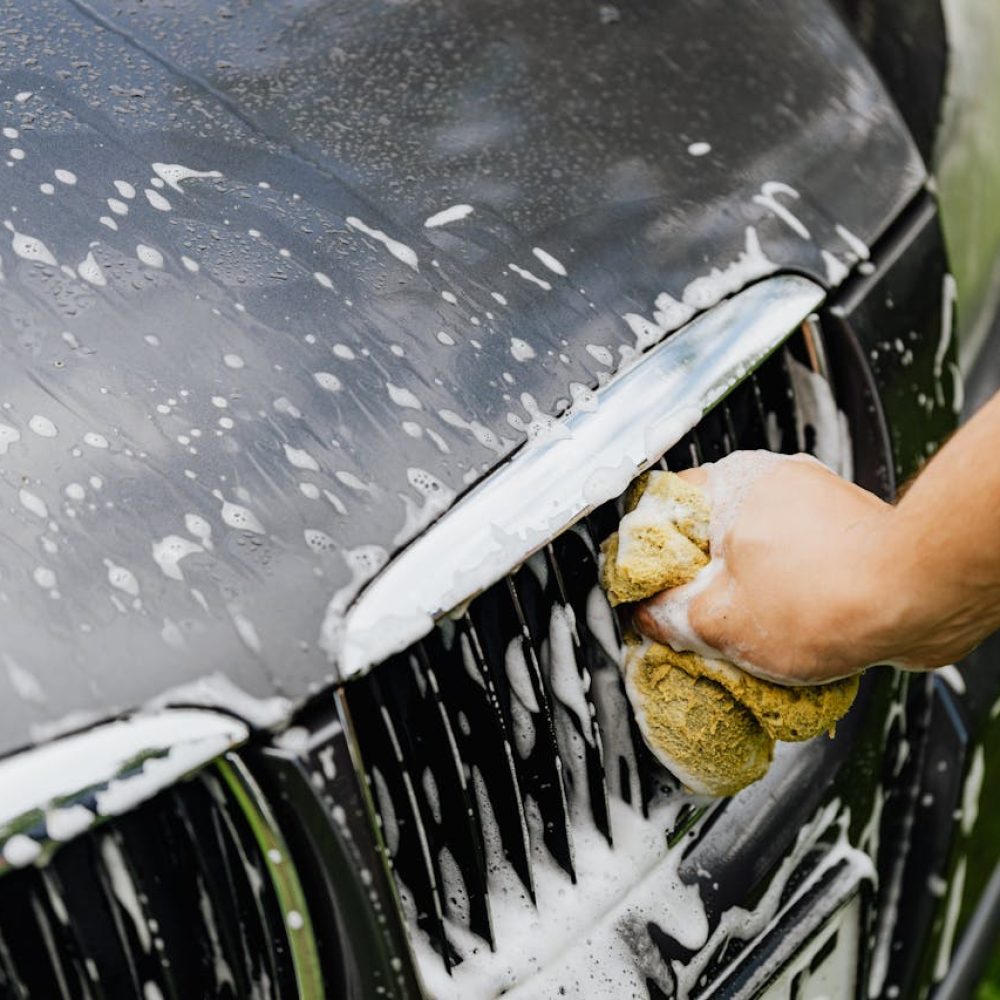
239	371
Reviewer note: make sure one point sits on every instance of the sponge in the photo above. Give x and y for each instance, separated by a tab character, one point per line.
713	725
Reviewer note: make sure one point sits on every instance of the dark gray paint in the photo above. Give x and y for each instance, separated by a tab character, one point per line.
565	125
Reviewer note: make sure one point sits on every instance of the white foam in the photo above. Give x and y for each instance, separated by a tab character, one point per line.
150	256
568	685
245	629
836	269
949	291
157	200
554	265
42	426
437	498
521	349
447	215
20	850
701	293
768	198
67	822
858	246
24	683
30	247
952	676
972	789
122	578
8	436
32	503
301	459
486	437
237	516
816	407
953	910
95	440
200	528
174	173
327	381
398	250
403	397
90	270
518	675
219	692
522	272
169	551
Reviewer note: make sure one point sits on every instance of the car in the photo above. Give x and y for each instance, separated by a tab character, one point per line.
333	334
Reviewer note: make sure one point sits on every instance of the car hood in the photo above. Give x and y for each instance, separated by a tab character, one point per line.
278	286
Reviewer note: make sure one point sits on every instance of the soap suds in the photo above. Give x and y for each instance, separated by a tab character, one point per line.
398	250
174	173
522	272
447	215
554	265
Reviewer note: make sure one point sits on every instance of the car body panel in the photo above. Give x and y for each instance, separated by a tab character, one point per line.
227	452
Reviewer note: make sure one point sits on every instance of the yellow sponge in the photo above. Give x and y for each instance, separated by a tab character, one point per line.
709	722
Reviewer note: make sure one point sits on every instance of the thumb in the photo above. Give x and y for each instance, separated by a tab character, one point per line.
666	617
697	476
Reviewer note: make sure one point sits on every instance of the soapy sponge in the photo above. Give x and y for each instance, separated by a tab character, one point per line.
710	723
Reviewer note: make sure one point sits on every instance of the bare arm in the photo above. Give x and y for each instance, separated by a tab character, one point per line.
819	578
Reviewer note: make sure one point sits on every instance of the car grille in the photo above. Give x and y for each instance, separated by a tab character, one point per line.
171	900
500	751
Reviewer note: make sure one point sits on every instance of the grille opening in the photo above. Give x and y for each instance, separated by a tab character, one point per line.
500	749
172	899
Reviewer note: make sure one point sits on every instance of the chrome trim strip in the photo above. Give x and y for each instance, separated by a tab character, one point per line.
55	792
282	872
589	457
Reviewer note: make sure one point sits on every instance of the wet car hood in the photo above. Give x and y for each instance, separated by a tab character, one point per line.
278	283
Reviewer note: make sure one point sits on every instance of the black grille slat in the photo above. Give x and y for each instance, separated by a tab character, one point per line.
492	753
11	984
576	553
442	797
84	889
229	896
509	629
169	904
583	757
709	437
64	982
224	867
35	968
774	387
463	837
74	957
259	905
682	455
172	900
580	682
410	847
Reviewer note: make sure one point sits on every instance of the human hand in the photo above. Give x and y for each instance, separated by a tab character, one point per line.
799	589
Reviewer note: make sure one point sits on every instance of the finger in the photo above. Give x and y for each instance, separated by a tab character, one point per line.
665	618
696	477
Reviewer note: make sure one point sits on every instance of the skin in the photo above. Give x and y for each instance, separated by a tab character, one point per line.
822	578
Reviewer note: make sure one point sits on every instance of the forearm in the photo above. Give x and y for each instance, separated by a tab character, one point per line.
818	578
940	557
